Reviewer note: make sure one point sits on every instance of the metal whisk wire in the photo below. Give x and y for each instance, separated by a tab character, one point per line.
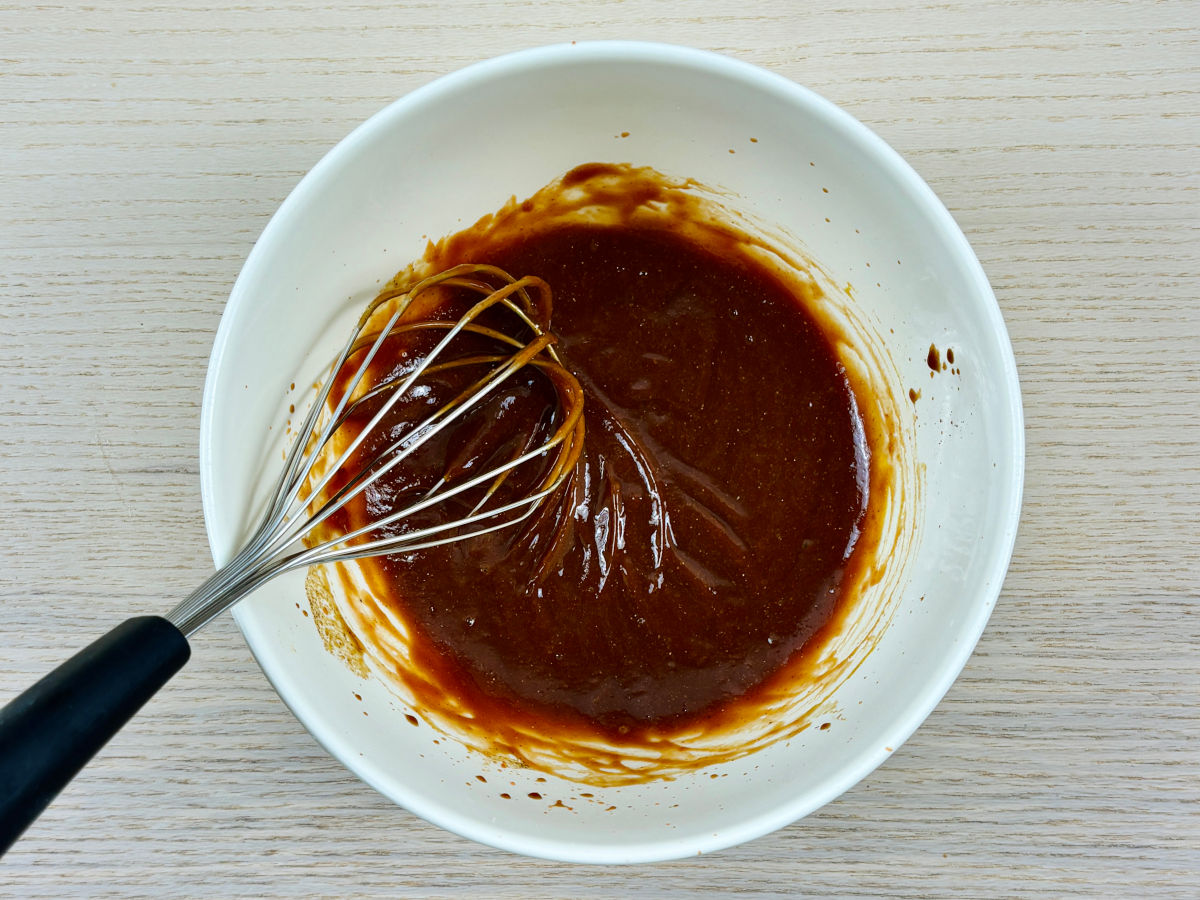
55	726
278	544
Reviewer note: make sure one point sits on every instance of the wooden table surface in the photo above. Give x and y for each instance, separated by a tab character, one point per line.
143	145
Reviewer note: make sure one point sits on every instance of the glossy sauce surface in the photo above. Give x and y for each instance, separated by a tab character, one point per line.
704	537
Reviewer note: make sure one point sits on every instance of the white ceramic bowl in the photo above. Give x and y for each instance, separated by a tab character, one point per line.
456	149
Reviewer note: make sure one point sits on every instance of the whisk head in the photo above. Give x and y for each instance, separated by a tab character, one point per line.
427	429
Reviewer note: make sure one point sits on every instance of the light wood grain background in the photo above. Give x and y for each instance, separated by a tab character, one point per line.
143	146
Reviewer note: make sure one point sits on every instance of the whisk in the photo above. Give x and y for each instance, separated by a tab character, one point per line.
49	732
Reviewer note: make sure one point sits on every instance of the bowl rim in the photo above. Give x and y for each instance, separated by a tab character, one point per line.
919	705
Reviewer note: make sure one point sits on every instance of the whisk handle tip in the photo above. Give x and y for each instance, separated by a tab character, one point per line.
49	732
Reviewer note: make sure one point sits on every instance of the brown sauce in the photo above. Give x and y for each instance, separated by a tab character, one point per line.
723	517
702	540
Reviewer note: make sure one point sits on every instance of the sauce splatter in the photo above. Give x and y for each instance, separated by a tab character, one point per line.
934	358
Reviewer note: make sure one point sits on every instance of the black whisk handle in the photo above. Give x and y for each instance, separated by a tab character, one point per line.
49	732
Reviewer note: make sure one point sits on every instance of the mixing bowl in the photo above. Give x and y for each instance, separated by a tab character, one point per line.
459	148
